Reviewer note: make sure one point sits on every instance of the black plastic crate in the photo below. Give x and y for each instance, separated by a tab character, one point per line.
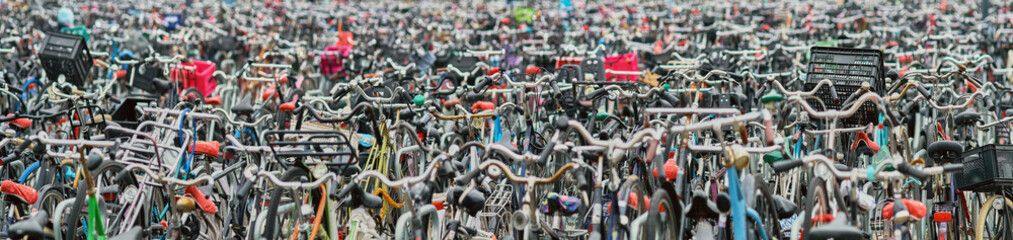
848	69
987	168
66	54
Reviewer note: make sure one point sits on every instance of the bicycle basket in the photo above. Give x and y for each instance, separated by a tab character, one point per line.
848	69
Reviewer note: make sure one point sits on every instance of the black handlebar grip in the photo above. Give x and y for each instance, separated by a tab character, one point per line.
785	165
668	97
481	84
581	176
913	172
852	98
909	107
467	177
473	97
925	92
24	145
953	167
562	124
736	77
597	93
9	158
555	87
340	93
546	151
244	190
893	74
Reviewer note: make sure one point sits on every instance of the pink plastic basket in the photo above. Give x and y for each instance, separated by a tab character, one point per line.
195	74
331	59
622	62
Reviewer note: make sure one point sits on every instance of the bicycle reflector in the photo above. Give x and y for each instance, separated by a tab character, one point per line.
67	55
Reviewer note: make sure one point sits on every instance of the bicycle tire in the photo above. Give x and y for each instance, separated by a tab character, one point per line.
272	212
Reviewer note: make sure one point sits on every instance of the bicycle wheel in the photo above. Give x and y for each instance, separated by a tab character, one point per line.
116	193
48	199
662	225
1000	219
767	209
272	228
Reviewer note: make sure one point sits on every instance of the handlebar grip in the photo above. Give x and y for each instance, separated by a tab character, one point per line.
852	98
340	93
909	107
467	177
9	158
473	97
562	124
768	131
597	93
953	167
546	151
833	92
451	102
555	87
24	145
580	175
925	92
481	85
244	189
670	99
785	165
907	169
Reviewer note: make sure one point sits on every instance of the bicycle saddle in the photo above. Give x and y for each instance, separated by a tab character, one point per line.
422	193
771	97
51	112
700	207
269	92
967	118
837	230
945	151
773	157
33	227
359	197
134	233
724	202
243	107
785	208
863	145
15	191
207	148
473	201
565	205
214	100
22	123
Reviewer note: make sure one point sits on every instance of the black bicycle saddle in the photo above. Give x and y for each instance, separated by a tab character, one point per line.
945	151
243	107
702	208
33	227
